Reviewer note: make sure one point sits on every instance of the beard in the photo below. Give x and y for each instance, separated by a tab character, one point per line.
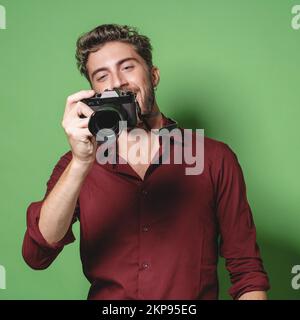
149	97
147	102
147	105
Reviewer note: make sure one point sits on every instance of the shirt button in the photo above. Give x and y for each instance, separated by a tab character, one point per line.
145	228
145	265
144	192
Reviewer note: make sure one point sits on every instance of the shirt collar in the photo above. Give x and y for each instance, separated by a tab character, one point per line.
176	138
170	124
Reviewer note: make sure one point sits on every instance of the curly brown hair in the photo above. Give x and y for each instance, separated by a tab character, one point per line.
96	38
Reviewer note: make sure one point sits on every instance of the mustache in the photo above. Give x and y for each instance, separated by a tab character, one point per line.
134	90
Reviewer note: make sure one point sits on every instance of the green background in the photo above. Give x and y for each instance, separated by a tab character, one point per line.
230	67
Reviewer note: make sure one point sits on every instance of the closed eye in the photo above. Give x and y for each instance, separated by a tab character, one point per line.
128	67
101	78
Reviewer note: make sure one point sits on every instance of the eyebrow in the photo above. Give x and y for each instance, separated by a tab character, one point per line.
118	64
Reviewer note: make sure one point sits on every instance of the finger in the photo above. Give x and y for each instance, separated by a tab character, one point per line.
93	140
85	133
74	98
83	110
80	109
83	123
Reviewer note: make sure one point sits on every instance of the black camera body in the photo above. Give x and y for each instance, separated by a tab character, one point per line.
110	109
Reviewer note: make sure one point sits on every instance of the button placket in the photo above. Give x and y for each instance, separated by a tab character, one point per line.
144	236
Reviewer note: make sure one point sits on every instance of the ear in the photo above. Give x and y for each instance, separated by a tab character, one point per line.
155	76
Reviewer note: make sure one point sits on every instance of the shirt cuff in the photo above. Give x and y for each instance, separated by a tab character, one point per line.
33	215
253	281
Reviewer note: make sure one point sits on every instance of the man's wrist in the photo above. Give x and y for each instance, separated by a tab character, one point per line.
80	167
254	295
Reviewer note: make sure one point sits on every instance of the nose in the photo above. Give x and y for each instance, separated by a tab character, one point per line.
118	81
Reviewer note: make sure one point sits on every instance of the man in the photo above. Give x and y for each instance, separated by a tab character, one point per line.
147	231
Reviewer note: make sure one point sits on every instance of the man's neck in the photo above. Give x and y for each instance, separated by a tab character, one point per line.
148	143
155	122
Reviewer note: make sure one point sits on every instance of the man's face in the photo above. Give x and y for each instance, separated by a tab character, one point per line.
118	65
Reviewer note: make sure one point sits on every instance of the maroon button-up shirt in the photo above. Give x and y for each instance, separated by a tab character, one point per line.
160	237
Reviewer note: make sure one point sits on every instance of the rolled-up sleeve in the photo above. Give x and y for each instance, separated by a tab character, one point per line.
237	230
36	251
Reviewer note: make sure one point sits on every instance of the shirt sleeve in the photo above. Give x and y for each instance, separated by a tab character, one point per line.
36	251
237	230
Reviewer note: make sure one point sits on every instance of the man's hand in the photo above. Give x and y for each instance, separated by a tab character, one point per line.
254	295
82	142
58	208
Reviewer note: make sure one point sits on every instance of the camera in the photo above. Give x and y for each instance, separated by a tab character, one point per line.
112	109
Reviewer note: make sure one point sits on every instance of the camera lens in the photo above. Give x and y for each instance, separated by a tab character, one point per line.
106	120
